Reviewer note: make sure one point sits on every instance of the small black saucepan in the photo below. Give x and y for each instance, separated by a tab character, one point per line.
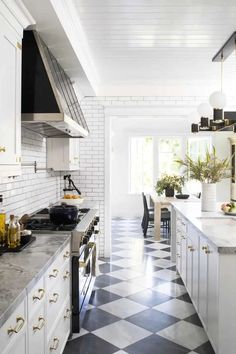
63	214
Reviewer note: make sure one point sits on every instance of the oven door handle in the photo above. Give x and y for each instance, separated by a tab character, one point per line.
92	247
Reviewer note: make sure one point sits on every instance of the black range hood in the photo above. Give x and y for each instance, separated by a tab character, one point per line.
49	102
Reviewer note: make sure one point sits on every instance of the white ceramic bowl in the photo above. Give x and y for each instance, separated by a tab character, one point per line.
72	201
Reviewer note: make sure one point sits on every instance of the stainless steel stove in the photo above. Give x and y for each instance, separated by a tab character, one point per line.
84	254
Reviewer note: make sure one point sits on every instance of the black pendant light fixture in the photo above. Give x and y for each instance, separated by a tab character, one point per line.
215	119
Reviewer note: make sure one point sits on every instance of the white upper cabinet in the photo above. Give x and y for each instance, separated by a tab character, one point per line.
10	102
11	32
63	154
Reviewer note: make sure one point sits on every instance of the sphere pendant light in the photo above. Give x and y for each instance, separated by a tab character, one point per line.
218	100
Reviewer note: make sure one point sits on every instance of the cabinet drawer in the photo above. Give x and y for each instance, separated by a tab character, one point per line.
14	326
58	294
36	297
36	332
54	271
59	336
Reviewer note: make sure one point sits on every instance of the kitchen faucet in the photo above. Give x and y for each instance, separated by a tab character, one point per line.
71	186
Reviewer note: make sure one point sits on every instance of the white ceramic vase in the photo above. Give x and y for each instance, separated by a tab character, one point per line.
208	198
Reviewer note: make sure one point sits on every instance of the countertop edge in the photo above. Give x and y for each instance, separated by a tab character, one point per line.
220	249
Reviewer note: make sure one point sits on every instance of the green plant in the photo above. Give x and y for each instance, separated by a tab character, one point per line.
210	169
169	181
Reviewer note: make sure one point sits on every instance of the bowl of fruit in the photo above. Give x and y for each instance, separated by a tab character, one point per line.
72	199
229	208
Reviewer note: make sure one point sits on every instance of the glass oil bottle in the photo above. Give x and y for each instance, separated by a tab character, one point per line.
12	233
2	223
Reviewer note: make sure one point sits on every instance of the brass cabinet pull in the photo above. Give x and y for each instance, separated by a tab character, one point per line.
41	293
54	273
55	298
19	324
189	247
191	250
55	344
19	46
178	243
67	275
66	255
2	149
41	322
67	314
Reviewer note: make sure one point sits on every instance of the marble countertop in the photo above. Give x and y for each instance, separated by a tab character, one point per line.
218	228
19	272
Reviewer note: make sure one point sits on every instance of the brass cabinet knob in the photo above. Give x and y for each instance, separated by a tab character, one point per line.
207	251
2	149
54	298
41	322
55	344
54	273
66	275
67	314
66	255
40	295
204	248
19	324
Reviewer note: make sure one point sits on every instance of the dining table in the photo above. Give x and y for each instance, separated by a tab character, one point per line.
165	202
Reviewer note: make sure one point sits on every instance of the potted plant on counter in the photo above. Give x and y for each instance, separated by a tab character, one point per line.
209	171
169	184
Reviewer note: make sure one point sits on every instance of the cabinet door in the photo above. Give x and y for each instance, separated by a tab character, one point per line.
203	259
189	262
74	152
184	257
213	295
195	268
36	332
19	346
10	93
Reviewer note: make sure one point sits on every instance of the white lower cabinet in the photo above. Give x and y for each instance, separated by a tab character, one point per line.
41	324
13	334
200	273
59	335
36	332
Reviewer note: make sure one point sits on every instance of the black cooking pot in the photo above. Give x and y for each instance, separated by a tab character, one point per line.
63	214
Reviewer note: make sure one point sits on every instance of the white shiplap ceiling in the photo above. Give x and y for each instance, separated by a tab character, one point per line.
158	47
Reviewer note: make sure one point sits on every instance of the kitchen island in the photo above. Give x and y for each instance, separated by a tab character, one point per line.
34	289
204	246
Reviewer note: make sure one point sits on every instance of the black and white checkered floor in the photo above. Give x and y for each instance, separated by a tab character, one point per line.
139	304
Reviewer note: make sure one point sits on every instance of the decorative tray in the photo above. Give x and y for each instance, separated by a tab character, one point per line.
229	213
4	249
182	196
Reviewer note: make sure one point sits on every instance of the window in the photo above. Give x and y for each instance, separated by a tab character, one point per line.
196	148
141	164
170	149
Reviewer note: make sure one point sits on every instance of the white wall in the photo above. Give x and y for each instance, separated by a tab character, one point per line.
31	191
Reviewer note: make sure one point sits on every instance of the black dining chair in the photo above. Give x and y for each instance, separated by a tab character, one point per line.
148	217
